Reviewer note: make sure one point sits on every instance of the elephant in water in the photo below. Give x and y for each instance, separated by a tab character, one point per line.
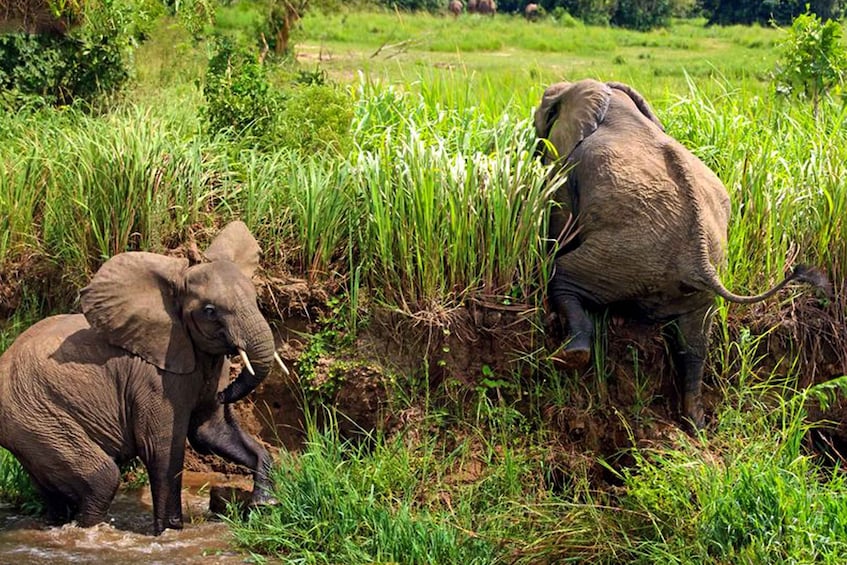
145	367
650	224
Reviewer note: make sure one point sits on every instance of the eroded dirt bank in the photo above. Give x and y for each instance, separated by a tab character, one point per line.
631	395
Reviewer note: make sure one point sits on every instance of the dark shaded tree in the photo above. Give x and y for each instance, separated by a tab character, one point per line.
782	12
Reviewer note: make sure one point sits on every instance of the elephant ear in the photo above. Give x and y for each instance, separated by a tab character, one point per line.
639	101
235	243
133	301
570	112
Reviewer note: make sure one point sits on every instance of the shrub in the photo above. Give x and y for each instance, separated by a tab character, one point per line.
813	59
725	12
306	114
642	15
88	62
316	118
591	12
238	94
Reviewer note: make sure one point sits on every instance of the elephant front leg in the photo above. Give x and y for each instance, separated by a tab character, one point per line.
219	433
165	472
568	305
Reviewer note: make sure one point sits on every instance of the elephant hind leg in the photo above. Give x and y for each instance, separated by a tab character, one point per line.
98	488
566	301
691	337
74	476
220	434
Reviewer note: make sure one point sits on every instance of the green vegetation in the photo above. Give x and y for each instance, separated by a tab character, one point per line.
814	59
394	168
780	11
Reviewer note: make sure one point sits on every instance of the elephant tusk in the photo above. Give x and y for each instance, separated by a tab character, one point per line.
246	361
281	364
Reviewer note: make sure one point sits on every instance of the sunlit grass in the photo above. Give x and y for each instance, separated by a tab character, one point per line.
440	202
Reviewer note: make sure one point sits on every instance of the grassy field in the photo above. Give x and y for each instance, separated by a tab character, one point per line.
436	202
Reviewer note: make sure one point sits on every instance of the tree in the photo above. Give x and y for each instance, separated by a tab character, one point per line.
813	59
782	12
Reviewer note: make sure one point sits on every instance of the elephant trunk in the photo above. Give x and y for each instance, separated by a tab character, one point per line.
256	344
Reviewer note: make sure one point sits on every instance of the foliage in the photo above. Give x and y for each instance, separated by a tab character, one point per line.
642	15
591	12
414	5
238	94
339	504
306	114
438	199
725	12
316	118
15	485
89	62
814	59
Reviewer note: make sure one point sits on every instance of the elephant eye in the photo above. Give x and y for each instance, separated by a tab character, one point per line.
209	311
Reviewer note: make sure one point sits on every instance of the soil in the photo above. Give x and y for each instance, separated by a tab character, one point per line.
462	346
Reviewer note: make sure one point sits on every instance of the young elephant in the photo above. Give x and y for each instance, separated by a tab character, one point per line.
137	374
651	223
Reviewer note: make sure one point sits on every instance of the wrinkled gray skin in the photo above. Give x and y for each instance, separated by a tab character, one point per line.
651	223
135	375
455	7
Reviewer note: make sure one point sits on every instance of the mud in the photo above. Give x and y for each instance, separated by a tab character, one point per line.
632	397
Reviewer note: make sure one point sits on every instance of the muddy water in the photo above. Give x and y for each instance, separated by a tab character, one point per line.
126	539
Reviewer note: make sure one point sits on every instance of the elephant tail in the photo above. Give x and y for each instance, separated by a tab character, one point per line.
800	273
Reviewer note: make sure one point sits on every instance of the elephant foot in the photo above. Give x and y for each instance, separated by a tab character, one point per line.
570	358
171	523
693	412
261	497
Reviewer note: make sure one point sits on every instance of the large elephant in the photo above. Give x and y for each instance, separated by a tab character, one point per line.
136	374
650	224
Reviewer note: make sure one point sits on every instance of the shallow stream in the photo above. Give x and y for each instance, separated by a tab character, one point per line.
126	539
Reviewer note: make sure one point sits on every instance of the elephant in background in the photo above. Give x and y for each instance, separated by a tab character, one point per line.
142	369
455	7
650	219
472	6
531	12
486	7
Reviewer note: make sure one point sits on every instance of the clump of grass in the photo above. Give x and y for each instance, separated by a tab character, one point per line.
447	222
15	485
338	504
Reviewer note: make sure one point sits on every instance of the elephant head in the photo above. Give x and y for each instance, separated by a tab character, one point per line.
571	111
169	313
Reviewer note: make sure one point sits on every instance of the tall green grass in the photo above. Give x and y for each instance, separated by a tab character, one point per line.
440	202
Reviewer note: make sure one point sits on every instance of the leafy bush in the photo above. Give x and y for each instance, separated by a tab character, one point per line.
591	12
307	114
239	98
563	18
89	62
725	12
813	59
642	14
316	118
